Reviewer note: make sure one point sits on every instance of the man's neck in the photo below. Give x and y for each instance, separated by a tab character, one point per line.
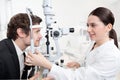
20	45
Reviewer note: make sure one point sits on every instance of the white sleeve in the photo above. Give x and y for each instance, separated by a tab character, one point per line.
83	73
60	73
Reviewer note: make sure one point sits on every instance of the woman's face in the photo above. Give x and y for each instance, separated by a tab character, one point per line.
96	29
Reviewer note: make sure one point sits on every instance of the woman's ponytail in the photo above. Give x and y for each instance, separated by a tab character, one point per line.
113	35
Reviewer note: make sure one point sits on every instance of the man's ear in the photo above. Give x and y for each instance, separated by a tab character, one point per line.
20	32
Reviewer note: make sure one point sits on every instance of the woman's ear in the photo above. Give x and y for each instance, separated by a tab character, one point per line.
109	27
20	32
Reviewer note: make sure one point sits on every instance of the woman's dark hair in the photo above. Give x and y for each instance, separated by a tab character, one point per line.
106	16
21	20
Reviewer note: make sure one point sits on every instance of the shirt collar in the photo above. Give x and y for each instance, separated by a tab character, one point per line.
18	50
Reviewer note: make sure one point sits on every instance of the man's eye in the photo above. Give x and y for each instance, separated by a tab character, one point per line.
38	31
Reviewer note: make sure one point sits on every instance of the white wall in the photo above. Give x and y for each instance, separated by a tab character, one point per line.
68	13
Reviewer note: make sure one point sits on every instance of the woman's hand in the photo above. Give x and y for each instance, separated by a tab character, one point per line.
37	59
48	78
73	65
35	76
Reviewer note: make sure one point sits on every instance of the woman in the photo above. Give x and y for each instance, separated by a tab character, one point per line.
103	60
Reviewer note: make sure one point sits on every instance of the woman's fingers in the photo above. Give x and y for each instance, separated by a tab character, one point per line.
48	78
73	64
35	76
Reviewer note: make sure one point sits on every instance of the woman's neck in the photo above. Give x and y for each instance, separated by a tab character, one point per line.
100	42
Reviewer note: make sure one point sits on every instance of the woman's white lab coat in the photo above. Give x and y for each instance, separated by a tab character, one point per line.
102	63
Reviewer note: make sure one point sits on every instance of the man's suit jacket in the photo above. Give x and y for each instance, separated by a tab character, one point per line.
9	63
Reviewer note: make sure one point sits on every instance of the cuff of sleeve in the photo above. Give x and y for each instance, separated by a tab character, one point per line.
54	68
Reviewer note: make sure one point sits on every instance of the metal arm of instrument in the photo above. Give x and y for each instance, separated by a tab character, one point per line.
34	68
29	12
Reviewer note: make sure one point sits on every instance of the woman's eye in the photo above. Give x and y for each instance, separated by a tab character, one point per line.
93	25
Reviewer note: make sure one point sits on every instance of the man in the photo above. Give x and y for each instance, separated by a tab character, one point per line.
18	39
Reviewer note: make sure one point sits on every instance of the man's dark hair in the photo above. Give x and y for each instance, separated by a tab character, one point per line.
22	21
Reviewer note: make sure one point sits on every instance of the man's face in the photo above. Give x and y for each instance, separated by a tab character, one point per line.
24	40
36	36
